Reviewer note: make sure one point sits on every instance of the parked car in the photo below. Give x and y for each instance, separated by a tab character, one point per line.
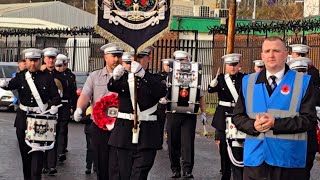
81	78
7	98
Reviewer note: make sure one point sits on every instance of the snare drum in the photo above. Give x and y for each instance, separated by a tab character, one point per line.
41	128
232	132
184	85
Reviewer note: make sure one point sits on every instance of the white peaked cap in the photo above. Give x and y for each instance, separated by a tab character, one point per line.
32	53
297	64
50	52
300	48
111	48
182	55
231	58
127	56
258	62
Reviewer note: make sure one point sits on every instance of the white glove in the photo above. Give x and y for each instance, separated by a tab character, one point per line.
163	100
77	114
110	126
214	82
37	110
53	110
3	83
137	69
318	111
118	72
203	118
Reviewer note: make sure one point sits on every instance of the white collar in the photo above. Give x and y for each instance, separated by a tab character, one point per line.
279	74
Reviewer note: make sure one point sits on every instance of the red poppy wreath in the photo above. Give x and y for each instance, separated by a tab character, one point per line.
105	111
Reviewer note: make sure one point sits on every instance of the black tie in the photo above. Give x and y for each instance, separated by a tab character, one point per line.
273	84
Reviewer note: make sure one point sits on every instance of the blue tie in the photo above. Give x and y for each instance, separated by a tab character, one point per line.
273	84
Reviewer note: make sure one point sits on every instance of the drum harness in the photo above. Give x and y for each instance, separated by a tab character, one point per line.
36	95
235	143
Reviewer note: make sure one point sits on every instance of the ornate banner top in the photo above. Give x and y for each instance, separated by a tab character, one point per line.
137	23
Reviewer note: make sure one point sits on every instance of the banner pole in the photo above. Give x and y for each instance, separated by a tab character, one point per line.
135	120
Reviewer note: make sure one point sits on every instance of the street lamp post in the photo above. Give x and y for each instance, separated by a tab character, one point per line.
254	9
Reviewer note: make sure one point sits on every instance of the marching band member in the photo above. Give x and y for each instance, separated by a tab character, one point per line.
301	50
33	161
133	158
227	86
95	88
258	65
50	157
300	64
162	107
69	97
181	129
126	61
275	109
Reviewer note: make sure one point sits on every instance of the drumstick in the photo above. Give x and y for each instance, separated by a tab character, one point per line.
218	72
49	109
3	74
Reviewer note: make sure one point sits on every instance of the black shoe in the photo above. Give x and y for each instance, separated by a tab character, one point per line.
52	172
176	175
65	151
187	175
62	157
45	170
88	171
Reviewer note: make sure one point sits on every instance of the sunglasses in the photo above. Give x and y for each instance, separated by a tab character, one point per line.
59	65
127	62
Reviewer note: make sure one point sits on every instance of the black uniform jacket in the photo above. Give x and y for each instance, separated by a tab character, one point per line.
68	81
302	123
224	94
150	90
314	72
46	87
163	107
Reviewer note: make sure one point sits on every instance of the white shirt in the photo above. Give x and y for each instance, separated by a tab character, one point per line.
279	76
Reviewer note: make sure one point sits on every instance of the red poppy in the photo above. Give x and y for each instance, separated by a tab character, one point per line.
143	2
285	89
101	107
128	2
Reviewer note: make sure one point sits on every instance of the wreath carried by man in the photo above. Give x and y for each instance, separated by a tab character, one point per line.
105	111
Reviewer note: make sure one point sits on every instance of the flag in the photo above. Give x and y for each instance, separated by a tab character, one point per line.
134	23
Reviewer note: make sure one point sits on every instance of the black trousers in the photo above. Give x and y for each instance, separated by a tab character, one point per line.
31	163
64	117
267	172
226	164
130	164
101	148
161	117
181	133
89	154
309	163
